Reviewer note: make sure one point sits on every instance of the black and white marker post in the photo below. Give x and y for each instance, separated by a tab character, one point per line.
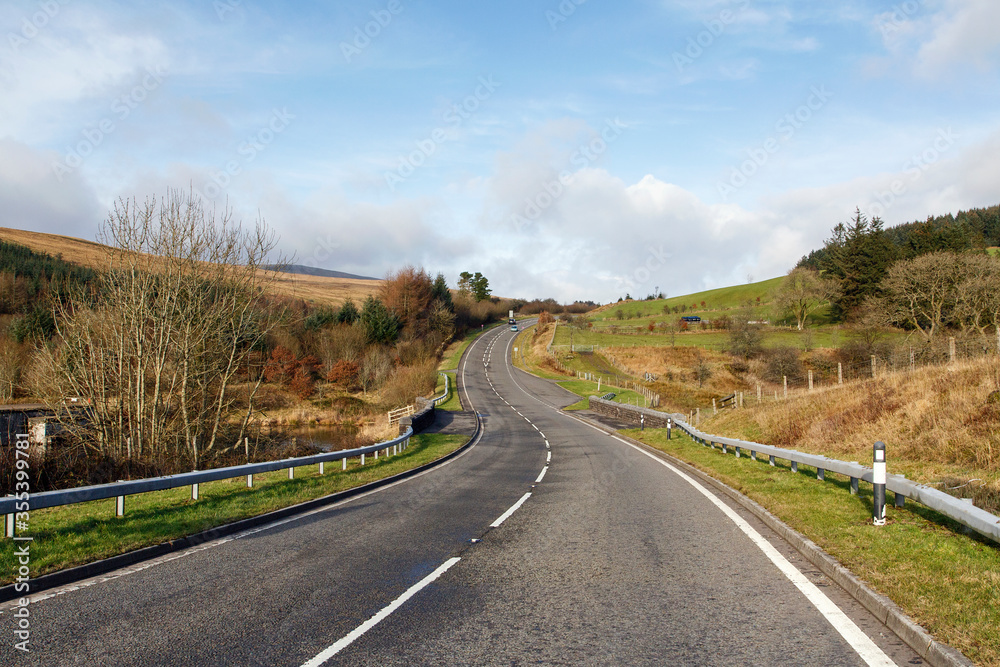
670	428
642	422
878	480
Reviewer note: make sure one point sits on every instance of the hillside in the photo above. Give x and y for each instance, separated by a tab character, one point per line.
302	270
320	289
699	303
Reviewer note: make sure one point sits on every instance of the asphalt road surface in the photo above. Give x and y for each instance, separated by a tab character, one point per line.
548	542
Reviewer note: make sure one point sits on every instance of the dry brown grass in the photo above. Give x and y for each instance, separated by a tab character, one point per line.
318	289
938	423
675	366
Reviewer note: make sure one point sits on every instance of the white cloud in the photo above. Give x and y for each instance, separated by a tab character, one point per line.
965	33
27	184
74	58
934	45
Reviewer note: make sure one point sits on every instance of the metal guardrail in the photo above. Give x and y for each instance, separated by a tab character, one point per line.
83	494
962	511
438	400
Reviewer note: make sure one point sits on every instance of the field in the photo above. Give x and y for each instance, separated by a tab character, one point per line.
317	289
715	300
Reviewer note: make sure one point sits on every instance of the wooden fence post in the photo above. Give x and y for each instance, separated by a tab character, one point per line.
810	380
840	373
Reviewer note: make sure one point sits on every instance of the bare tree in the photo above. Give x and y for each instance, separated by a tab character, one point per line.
179	311
922	293
977	306
802	292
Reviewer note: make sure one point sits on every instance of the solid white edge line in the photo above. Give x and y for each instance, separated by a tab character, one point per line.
380	616
859	641
506	515
541	475
548	458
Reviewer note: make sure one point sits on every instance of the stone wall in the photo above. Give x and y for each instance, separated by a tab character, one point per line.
419	420
629	413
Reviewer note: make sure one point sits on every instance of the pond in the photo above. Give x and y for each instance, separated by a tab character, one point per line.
329	438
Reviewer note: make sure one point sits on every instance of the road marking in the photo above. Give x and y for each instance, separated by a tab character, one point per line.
541	475
858	640
534	427
548	457
380	616
506	515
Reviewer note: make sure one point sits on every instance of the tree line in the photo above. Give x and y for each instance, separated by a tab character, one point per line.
926	277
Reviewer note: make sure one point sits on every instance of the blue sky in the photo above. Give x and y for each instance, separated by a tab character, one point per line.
580	150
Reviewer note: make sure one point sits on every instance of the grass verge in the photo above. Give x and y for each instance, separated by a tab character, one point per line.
452	403
586	389
82	533
947	581
453	354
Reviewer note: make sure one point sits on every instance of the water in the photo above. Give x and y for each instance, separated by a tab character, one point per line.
327	438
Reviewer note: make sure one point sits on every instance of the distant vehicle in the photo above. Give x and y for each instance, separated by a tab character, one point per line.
691	318
513	327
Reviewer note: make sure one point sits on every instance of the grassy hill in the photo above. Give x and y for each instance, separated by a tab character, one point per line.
715	300
318	289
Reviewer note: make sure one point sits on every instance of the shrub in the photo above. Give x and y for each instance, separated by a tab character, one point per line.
344	374
783	362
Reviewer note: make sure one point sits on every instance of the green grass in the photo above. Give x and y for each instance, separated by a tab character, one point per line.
452	403
453	355
77	534
716	299
945	580
994	251
586	389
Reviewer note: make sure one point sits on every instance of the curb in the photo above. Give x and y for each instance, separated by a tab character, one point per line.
81	572
885	610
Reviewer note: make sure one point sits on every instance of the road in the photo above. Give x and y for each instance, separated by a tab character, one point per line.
548	542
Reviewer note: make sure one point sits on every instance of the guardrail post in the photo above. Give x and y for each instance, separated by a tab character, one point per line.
291	472
771	461
820	474
900	499
854	486
343	465
322	467
737	452
795	466
753	454
194	491
120	506
362	459
250	481
878	481
8	522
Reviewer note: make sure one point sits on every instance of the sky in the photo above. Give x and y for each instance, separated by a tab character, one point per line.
573	149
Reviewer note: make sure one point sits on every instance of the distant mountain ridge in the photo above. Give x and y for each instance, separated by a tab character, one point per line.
302	270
